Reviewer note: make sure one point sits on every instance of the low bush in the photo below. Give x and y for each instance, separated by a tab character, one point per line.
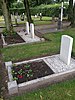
46	10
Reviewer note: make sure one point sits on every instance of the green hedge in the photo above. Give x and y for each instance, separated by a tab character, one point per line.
46	10
49	10
19	10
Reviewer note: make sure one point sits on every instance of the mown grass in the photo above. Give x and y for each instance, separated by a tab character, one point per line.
27	51
61	91
36	21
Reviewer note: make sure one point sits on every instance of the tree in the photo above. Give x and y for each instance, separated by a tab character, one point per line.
28	14
6	13
71	13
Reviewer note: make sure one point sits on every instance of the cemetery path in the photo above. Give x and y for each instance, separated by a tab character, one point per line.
42	28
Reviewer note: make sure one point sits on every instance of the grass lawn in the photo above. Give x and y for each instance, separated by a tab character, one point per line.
26	51
61	91
45	20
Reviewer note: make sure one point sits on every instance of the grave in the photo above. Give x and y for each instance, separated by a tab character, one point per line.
40	16
60	25
62	67
29	36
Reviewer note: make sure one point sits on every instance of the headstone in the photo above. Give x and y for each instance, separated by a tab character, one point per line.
4	43
32	30
35	16
66	48
27	27
40	16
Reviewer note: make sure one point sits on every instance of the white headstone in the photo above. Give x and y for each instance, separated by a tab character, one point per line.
35	16
32	30
66	48
27	27
40	14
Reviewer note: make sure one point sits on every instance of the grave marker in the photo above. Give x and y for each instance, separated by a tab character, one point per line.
66	48
32	30
27	27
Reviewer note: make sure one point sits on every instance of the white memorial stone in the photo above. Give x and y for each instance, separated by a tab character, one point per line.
27	27
32	30
66	48
12	87
4	43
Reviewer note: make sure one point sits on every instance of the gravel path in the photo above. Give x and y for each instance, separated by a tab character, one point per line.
41	28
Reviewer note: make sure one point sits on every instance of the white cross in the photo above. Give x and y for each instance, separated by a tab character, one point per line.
73	2
62	11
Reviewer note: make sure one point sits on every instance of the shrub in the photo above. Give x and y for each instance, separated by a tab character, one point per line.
6	32
46	10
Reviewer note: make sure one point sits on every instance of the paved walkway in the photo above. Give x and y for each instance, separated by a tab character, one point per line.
42	28
57	65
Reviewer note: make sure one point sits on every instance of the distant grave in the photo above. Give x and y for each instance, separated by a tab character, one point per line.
29	35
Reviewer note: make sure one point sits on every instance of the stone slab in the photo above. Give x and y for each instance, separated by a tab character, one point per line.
12	87
10	73
8	64
57	65
27	38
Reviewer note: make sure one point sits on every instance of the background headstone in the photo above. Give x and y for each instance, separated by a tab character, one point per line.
40	16
66	48
32	30
27	27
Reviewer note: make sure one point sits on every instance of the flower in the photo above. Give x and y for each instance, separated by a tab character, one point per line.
19	76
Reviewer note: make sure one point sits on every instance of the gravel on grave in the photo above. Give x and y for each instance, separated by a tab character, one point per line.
35	70
12	39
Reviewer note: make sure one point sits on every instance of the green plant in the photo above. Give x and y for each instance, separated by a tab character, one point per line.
20	72
29	71
5	32
27	66
15	78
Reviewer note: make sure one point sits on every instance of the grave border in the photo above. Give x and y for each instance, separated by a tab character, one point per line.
41	82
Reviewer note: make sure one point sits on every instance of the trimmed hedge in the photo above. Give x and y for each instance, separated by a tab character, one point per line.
49	10
19	10
46	10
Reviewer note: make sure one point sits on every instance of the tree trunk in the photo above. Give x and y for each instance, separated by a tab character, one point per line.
7	16
28	14
73	18
71	13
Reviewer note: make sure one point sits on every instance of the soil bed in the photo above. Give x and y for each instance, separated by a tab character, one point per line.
14	38
26	72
